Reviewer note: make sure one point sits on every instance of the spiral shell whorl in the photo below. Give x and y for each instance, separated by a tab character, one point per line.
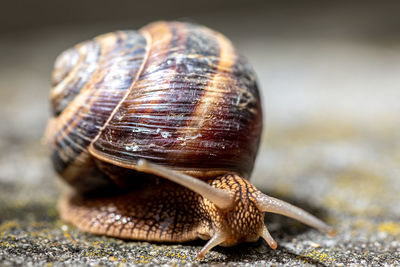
88	98
72	70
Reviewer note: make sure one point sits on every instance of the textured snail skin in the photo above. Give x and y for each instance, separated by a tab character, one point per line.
168	213
171	101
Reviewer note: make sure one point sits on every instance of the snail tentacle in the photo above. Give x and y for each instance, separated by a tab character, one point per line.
270	204
268	238
217	239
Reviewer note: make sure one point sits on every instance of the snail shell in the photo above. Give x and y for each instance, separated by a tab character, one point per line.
173	93
172	100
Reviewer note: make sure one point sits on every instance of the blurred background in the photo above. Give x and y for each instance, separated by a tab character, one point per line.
329	77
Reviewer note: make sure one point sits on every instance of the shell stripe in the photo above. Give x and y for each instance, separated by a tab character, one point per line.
247	103
66	147
73	69
159	37
70	117
81	122
213	95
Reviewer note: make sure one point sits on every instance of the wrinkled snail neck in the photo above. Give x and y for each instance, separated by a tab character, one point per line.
224	200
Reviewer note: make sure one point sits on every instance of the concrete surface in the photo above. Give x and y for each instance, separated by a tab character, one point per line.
330	82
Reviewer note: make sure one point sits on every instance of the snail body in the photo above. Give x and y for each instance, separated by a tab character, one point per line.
157	131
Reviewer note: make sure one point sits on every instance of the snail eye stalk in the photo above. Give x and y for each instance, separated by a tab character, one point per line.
270	204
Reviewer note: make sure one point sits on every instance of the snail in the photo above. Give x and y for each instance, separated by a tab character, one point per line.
157	131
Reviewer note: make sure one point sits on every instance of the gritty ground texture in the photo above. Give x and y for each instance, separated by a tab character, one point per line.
331	144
